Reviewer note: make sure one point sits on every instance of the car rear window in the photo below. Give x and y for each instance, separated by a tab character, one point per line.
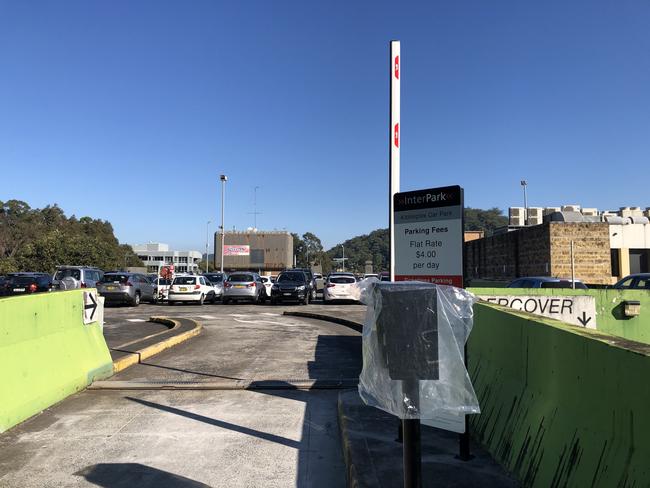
342	279
162	281
285	277
185	280
23	280
241	278
215	278
115	278
66	273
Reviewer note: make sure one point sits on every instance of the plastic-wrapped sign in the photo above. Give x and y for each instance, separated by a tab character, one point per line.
413	339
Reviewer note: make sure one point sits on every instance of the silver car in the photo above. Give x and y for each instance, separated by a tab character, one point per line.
129	288
73	277
242	286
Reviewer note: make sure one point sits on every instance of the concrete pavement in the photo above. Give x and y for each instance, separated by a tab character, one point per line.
229	438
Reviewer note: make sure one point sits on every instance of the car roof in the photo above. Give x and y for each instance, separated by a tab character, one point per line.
545	279
28	273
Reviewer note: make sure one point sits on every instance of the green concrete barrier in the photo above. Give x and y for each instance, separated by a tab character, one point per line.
609	308
561	405
46	353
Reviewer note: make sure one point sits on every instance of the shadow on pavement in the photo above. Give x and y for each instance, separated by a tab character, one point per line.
128	475
218	423
144	363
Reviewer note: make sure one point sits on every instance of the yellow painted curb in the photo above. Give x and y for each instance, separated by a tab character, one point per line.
137	356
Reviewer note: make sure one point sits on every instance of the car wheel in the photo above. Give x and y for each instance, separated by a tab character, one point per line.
202	299
305	300
312	295
136	299
225	301
274	301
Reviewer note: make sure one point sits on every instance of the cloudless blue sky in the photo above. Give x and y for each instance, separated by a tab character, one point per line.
129	110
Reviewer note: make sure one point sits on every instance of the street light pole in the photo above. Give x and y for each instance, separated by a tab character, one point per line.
524	183
207	256
223	179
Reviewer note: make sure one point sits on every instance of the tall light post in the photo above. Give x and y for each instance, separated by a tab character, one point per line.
524	184
223	179
207	234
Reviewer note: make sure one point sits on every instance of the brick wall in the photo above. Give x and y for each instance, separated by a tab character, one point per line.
591	251
542	250
506	256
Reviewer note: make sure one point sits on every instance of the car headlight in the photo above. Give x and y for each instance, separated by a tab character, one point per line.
300	288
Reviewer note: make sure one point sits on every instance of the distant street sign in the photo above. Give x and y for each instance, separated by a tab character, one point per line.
90	301
429	235
577	310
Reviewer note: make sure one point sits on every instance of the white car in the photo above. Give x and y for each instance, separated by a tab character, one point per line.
161	289
266	281
370	275
340	287
190	289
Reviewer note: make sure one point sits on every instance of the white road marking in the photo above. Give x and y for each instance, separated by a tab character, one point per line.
206	316
135	320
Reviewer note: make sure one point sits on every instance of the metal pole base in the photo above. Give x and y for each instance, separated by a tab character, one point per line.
412	453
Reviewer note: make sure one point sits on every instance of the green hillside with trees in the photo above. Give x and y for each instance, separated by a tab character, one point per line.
33	239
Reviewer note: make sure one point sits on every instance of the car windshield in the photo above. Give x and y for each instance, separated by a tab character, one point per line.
115	278
342	279
67	273
215	278
162	281
185	280
285	277
241	278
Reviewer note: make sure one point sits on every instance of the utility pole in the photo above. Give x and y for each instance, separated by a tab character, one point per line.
524	183
255	212
223	179
207	256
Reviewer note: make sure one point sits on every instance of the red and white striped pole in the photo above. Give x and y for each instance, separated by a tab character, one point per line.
394	145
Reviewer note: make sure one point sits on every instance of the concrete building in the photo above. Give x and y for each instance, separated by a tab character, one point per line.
606	246
255	250
157	254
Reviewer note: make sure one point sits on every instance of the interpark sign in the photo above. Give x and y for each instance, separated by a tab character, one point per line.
429	235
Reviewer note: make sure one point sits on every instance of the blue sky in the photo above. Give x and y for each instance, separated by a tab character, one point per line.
129	111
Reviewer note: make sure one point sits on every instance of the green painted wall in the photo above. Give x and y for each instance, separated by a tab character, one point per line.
561	405
46	353
609	308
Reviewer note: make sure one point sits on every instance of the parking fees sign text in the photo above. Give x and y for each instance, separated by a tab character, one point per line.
429	235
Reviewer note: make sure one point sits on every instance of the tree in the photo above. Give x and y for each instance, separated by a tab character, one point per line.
485	220
41	239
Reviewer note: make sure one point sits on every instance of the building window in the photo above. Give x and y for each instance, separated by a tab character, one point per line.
616	263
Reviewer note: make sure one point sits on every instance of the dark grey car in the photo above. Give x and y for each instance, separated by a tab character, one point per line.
129	288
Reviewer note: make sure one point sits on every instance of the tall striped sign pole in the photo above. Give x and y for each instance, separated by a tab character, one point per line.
394	145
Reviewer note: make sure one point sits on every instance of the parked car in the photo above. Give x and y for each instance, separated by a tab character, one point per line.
73	277
320	282
190	288
129	288
24	283
545	282
266	293
217	280
339	287
161	289
242	286
311	281
291	286
384	276
637	281
3	281
370	275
